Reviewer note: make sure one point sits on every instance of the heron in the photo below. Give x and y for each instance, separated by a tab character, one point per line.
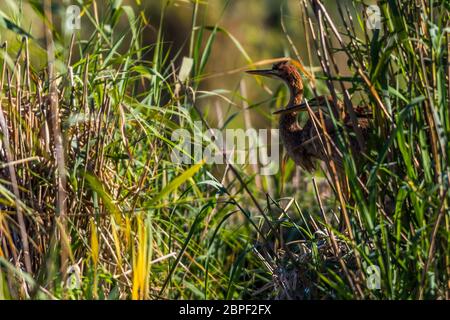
305	145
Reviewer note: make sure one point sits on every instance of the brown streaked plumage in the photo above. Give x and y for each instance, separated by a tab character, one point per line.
306	145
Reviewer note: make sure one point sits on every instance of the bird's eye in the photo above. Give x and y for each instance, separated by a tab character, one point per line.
277	66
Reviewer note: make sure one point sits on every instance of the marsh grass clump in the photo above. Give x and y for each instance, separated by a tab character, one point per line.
92	205
395	205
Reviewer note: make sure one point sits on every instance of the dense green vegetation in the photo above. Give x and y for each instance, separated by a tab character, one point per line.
93	206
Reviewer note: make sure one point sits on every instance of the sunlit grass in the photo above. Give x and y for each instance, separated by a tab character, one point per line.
130	223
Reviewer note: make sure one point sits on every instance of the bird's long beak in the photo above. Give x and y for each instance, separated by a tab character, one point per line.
299	108
265	73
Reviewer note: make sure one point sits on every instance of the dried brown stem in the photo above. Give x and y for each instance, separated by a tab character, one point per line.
61	178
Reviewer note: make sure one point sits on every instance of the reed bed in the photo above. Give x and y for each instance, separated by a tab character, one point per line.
93	206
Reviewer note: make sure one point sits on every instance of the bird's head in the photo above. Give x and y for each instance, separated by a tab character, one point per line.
282	70
288	73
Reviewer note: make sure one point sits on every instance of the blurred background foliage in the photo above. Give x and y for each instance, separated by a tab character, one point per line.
141	226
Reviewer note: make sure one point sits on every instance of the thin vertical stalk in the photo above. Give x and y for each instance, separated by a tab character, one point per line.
57	135
15	186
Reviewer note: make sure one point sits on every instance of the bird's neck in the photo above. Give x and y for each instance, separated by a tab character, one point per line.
288	122
296	93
